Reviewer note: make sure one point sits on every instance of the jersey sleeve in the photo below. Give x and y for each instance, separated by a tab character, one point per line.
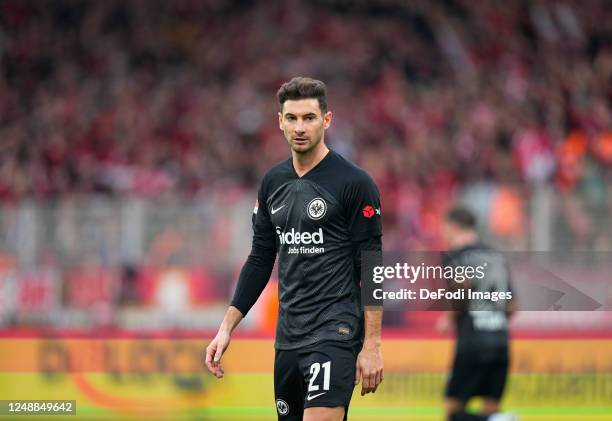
362	204
368	254
258	267
263	231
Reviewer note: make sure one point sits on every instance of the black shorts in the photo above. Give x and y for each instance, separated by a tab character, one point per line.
471	378
322	374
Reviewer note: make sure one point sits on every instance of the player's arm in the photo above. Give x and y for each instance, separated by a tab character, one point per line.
369	366
219	344
253	279
449	319
370	360
362	201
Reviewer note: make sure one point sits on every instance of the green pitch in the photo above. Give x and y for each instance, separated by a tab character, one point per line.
420	413
356	414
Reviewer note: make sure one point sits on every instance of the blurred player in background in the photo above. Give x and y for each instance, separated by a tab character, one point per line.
318	211
482	358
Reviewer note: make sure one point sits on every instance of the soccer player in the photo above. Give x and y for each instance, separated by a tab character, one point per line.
481	362
317	211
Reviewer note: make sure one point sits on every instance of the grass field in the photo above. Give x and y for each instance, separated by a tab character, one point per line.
425	413
420	413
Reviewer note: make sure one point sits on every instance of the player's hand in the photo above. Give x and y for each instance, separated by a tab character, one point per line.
370	367
215	351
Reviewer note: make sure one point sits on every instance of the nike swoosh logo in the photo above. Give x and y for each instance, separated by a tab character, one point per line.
309	397
273	211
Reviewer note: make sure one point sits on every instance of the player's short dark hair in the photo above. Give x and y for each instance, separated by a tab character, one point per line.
462	217
303	88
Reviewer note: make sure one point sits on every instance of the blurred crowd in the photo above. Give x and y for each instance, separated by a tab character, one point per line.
154	98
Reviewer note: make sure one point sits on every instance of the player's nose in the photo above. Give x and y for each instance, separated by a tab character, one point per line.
299	126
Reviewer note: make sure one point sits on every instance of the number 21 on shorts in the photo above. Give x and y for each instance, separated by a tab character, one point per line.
315	369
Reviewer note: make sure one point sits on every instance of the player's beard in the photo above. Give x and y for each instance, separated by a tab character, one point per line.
307	148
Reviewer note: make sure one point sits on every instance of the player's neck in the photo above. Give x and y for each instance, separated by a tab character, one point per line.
304	162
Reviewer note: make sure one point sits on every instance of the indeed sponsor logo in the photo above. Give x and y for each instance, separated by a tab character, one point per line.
294	237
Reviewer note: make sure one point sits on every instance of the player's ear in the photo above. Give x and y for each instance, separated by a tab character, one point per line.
280	120
327	119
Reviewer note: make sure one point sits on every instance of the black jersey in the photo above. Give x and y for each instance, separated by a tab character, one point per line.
482	325
314	222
